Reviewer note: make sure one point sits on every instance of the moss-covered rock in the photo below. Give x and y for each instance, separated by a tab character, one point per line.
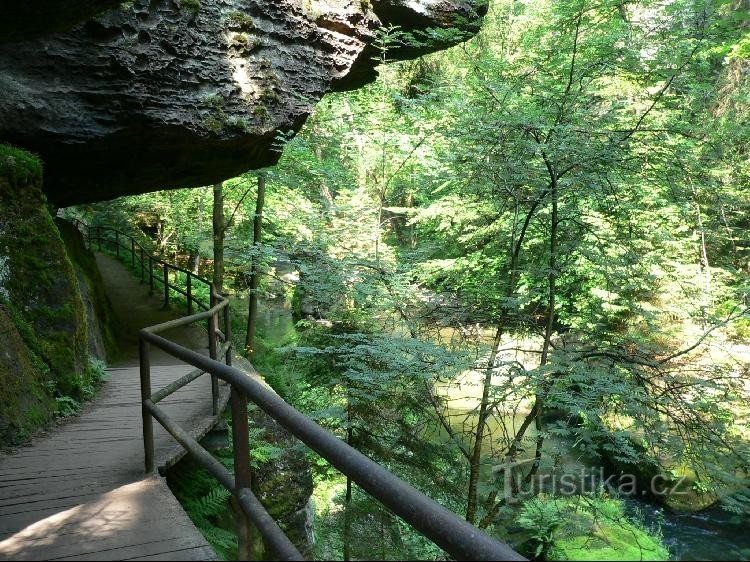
284	484
42	301
102	322
37	277
25	402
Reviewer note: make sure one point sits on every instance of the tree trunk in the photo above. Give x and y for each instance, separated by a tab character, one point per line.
252	306
548	329
348	503
703	263
475	463
219	232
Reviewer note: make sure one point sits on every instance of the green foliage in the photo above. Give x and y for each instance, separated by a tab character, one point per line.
85	389
192	6
67	406
211	504
240	21
587	528
207	503
19	167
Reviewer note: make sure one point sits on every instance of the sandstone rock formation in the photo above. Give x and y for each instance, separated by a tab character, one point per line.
158	94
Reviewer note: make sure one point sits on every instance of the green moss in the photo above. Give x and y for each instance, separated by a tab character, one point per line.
269	96
587	528
25	400
220	123
261	111
242	43
213	124
84	261
19	167
37	276
215	101
193	6
240	21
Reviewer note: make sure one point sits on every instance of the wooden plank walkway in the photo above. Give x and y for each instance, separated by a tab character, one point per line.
79	492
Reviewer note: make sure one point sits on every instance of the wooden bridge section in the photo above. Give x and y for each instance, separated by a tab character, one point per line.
80	493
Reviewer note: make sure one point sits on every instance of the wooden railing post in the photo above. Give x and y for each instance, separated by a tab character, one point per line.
189	291
166	286
143	267
148	422
228	333
117	243
99	238
213	326
242	474
132	253
150	275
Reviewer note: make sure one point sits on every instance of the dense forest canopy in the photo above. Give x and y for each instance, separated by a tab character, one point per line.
506	262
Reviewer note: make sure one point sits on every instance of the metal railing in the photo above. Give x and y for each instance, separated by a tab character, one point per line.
121	244
458	538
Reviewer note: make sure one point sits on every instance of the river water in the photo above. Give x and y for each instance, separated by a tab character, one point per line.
713	534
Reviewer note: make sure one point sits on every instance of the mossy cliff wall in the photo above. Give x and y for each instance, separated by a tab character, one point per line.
100	317
45	338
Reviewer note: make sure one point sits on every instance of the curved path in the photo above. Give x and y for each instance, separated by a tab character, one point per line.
80	492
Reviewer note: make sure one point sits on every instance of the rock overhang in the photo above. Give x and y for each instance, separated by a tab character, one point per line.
160	94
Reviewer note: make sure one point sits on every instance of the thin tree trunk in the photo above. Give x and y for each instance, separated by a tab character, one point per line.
252	306
703	263
475	463
219	231
535	415
548	330
348	503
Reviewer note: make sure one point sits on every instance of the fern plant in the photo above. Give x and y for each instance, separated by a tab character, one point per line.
205	511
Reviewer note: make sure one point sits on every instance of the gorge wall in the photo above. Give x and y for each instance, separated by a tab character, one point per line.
51	308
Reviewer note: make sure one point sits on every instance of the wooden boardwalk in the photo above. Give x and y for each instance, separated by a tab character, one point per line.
79	492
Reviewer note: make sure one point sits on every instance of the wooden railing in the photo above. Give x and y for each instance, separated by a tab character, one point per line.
458	538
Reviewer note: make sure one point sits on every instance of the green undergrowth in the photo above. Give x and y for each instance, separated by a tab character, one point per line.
92	378
587	528
19	167
207	503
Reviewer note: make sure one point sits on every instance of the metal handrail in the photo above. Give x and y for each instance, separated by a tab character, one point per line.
143	256
457	537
